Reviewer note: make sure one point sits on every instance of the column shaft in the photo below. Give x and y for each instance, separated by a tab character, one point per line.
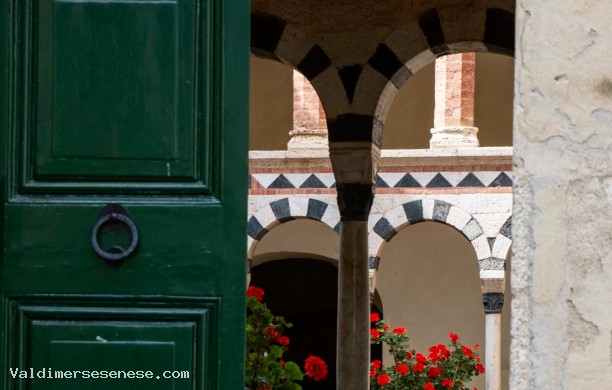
454	110
493	351
353	348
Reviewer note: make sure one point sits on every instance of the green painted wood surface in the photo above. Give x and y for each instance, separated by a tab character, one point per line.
141	103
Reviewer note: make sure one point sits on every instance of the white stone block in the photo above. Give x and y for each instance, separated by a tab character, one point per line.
374	243
382	204
501	247
481	246
428	207
298	206
457	217
331	217
492	274
266	216
396	217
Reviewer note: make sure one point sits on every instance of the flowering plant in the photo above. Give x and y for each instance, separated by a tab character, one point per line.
265	368
443	368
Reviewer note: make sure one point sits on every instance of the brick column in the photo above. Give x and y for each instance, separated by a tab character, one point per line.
454	111
309	125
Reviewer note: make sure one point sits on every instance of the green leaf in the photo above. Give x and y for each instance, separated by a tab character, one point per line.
292	371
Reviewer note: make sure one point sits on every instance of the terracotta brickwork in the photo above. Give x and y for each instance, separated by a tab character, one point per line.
454	108
309	126
455	90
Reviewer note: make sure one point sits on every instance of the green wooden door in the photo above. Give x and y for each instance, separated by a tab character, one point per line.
129	116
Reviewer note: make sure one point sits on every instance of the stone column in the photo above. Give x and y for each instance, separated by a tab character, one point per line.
354	165
493	303
454	110
353	348
309	126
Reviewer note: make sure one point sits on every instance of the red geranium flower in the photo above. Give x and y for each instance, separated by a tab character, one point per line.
480	368
283	340
255	292
408	355
453	337
418	367
434	372
374	333
273	333
374	317
376	364
315	368
402	369
446	382
443	350
468	352
420	358
429	386
399	330
383	379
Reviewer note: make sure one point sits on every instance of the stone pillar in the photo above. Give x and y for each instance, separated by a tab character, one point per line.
354	165
493	303
309	126
454	105
353	345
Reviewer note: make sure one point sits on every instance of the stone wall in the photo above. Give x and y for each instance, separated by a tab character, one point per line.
562	262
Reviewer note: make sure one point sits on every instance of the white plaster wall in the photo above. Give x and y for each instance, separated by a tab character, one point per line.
562	262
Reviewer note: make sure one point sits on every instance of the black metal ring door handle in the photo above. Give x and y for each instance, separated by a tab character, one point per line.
117	253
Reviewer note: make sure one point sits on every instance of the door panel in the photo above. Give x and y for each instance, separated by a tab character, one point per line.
140	104
117	94
147	84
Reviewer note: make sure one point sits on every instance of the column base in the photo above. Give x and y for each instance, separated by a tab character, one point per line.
308	139
451	137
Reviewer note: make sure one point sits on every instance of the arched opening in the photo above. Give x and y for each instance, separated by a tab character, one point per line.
411	114
296	265
304	291
428	279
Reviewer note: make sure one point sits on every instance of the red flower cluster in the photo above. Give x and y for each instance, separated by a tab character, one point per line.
402	369
438	352
276	336
434	372
265	368
255	292
383	379
315	368
399	330
444	367
374	317
374	333
468	352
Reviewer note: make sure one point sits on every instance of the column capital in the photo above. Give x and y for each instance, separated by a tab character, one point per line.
355	200
493	302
